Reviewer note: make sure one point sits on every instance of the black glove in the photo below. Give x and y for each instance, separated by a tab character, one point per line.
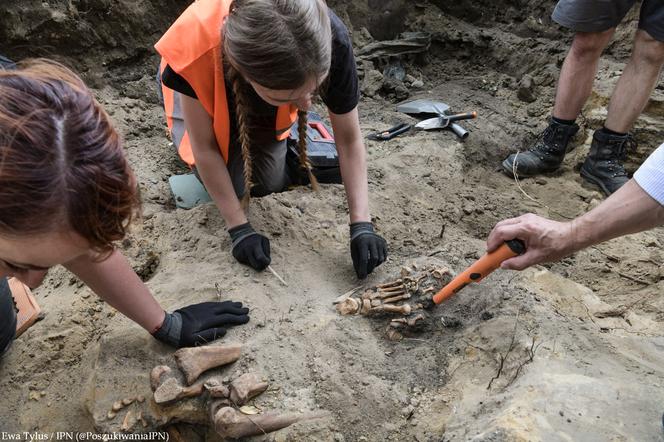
200	323
249	247
367	249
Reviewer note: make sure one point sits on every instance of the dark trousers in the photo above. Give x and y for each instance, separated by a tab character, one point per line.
7	316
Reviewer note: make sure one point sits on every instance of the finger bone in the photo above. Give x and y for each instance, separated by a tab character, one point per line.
390	284
396	298
366	307
404	309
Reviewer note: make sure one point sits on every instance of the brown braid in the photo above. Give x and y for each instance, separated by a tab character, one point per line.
245	144
302	147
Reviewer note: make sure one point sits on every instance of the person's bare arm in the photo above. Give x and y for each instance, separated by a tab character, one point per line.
115	282
210	163
628	210
353	163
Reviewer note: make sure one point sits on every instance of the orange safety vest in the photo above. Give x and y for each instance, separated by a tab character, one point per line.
192	47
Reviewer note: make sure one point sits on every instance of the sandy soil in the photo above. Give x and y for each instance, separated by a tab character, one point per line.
580	341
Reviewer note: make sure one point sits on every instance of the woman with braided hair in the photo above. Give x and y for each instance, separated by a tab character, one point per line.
235	77
66	195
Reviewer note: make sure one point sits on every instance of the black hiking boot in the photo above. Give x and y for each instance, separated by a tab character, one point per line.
604	164
546	155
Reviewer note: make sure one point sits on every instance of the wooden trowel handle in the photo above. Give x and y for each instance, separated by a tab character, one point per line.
481	268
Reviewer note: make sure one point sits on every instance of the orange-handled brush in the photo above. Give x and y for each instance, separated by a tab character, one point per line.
481	268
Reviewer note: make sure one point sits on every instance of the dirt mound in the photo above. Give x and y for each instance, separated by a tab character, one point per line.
570	351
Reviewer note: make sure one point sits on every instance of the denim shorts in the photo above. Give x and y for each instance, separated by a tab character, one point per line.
602	15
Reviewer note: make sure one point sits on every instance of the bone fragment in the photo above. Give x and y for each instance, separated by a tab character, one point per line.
171	390
405	271
396	298
245	387
440	272
402	309
128	422
128	401
117	406
366	307
191	411
350	306
394	335
232	424
157	374
396	288
141	419
194	361
111	415
216	405
216	388
394	283
412	321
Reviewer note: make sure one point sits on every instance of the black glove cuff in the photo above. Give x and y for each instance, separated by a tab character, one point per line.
239	233
171	330
360	228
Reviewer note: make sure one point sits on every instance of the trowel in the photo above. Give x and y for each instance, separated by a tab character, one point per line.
442	121
430	109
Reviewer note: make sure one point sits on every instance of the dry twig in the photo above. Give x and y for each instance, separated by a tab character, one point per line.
503	358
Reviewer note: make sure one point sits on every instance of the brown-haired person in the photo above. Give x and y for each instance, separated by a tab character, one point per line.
66	195
236	75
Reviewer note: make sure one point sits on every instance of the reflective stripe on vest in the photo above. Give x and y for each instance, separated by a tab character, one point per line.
192	48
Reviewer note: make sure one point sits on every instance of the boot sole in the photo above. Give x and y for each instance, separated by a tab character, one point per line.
596	181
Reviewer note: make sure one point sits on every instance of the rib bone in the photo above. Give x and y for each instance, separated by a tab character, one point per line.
194	361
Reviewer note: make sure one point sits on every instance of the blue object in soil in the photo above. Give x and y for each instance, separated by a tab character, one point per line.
188	191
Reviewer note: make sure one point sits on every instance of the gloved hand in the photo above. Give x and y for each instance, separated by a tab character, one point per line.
200	323
249	247
367	249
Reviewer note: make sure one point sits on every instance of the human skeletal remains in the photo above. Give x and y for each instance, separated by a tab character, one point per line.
191	395
408	296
